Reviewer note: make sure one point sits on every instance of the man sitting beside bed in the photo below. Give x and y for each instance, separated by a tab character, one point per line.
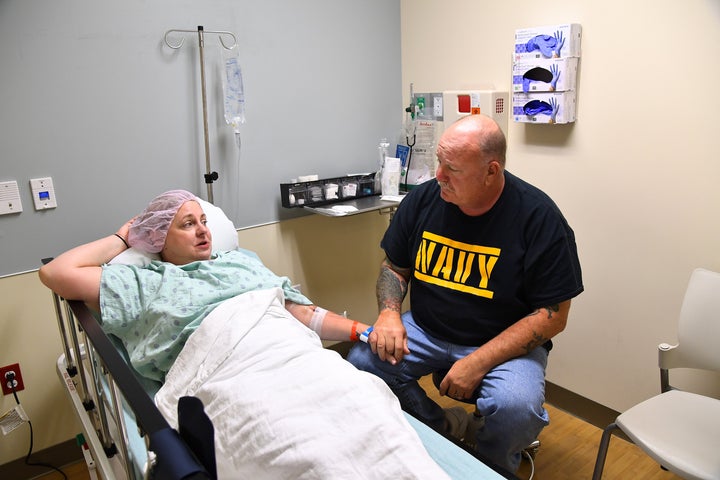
222	327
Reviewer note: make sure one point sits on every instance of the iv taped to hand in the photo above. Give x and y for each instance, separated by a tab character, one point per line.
234	94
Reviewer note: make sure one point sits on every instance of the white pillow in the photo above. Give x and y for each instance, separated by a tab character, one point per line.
133	256
224	234
224	237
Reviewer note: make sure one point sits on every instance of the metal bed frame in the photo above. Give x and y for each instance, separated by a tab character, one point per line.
101	400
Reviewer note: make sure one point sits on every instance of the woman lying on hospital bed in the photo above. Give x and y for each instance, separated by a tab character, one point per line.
225	329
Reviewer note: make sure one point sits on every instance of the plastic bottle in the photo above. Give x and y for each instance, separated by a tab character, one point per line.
383	152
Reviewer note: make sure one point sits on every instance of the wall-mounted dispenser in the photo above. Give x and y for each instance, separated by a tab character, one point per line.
544	76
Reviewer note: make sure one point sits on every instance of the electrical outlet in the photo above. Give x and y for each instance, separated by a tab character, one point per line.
18	382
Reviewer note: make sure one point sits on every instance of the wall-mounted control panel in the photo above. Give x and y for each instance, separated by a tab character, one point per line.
43	193
10	198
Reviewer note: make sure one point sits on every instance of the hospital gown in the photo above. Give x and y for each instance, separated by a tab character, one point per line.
154	309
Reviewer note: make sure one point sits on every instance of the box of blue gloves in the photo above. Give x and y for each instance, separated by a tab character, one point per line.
545	75
552	41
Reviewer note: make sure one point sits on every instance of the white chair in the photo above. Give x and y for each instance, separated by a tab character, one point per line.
681	430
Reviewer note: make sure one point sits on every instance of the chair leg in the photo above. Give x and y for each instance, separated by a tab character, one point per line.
532	449
602	451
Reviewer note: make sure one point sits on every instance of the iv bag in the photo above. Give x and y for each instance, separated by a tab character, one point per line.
233	90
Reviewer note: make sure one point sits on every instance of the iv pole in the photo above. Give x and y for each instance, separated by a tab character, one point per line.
210	176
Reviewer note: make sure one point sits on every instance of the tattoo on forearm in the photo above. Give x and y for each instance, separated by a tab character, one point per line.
539	339
390	290
536	341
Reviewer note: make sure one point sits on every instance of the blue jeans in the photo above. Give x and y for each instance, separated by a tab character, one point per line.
510	396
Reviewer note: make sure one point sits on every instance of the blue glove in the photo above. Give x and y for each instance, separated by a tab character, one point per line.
537	107
555	71
559	42
549	45
555	108
545	43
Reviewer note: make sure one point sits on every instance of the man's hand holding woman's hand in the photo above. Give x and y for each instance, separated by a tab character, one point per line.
389	338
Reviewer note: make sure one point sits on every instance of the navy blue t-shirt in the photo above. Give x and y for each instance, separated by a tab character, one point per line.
472	277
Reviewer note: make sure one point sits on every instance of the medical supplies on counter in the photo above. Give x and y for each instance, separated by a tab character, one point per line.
315	191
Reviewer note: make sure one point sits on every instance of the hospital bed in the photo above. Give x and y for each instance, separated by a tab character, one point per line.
129	438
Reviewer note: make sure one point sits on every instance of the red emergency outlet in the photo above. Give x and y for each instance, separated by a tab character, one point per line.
18	381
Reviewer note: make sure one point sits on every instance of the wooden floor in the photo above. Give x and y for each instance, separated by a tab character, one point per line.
569	447
75	471
568	451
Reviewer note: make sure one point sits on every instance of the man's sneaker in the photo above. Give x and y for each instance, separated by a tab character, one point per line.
456	422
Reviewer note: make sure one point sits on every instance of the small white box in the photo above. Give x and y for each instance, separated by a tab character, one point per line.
545	75
551	41
551	107
10	198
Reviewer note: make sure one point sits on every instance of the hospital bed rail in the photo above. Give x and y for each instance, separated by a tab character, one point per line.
89	355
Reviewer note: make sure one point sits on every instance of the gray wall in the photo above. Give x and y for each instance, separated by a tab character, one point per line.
92	97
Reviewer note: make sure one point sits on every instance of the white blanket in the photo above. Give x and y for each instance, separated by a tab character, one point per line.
283	407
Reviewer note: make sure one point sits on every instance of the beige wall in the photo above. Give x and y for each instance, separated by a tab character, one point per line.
29	336
636	176
335	260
